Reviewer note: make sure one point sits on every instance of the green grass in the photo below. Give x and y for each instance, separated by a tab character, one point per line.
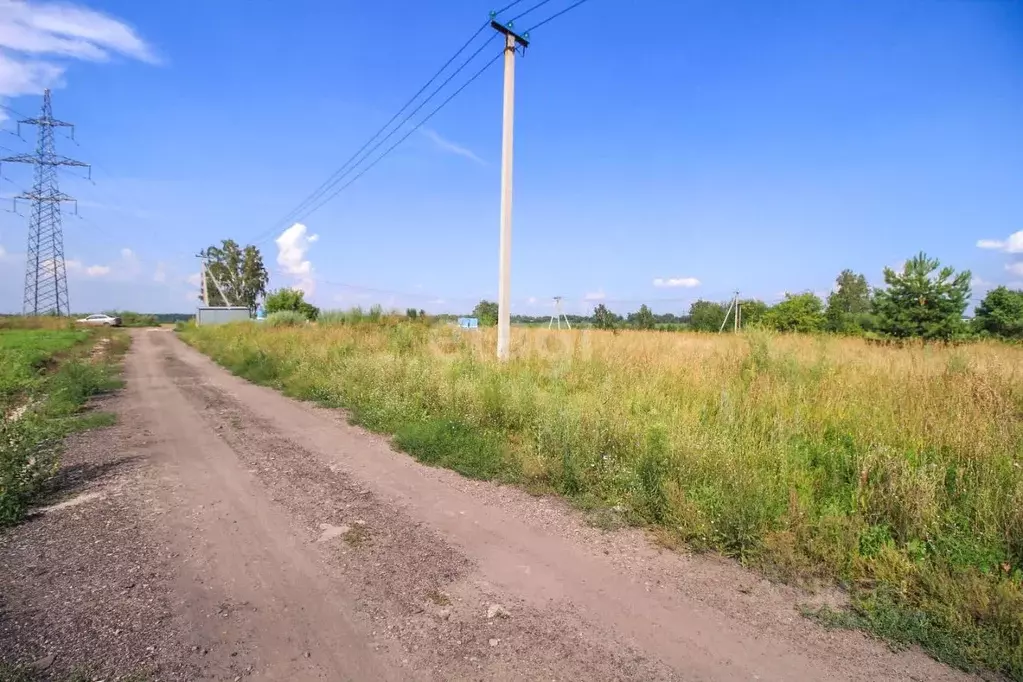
46	377
24	354
894	471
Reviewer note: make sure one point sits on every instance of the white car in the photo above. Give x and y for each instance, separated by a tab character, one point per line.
101	320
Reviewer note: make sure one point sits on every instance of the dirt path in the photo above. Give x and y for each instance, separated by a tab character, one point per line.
288	545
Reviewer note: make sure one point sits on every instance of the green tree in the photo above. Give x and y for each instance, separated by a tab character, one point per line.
706	316
239	272
486	313
642	318
411	313
848	309
1001	313
292	300
751	312
923	301
797	313
604	318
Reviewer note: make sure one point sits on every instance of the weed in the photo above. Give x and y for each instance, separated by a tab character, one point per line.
39	367
893	469
357	535
439	598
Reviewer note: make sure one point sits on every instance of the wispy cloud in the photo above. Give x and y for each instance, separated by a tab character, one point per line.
683	282
33	34
447	145
292	246
1015	268
1012	244
595	296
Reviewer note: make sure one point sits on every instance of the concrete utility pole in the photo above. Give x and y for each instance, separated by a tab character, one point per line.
512	41
202	277
734	304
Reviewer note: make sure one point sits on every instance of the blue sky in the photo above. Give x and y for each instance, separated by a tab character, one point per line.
742	145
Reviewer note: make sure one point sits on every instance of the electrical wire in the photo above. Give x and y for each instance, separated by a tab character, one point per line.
555	15
534	7
404	137
13	110
348	165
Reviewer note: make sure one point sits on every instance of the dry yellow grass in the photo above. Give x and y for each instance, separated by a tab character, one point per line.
894	470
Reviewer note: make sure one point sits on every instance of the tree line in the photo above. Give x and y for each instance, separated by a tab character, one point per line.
924	300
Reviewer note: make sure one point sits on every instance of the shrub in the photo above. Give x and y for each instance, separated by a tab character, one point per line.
286	318
28	457
292	300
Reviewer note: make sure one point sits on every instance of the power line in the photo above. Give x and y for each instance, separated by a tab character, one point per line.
534	7
555	15
13	111
348	166
338	177
405	136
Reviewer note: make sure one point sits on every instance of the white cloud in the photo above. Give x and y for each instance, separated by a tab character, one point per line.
160	274
980	283
1014	243
684	282
195	279
292	246
447	145
595	296
531	300
97	270
1015	268
127	254
33	33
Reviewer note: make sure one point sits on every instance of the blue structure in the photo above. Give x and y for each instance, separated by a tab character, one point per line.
468	323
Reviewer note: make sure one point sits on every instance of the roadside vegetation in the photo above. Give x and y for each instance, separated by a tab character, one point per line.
893	469
48	370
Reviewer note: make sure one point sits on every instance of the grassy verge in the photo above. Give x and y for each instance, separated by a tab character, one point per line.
895	472
46	377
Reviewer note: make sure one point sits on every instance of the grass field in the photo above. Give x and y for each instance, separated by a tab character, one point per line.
23	355
46	376
895	472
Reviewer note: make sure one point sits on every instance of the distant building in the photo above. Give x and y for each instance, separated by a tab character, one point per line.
468	323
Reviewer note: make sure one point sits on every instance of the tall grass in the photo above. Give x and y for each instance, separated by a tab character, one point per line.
894	471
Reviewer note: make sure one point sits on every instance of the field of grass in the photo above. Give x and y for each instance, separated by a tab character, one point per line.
895	472
46	376
24	353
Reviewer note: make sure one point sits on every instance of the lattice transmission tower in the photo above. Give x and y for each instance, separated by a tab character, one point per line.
45	271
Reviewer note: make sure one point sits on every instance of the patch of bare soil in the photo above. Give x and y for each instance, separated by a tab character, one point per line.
418	592
85	589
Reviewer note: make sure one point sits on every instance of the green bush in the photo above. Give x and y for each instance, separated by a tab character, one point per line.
286	318
28	457
293	300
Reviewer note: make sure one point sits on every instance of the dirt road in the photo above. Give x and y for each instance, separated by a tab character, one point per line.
232	533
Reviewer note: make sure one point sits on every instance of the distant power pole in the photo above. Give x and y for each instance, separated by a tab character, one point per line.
558	314
734	304
511	42
45	271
